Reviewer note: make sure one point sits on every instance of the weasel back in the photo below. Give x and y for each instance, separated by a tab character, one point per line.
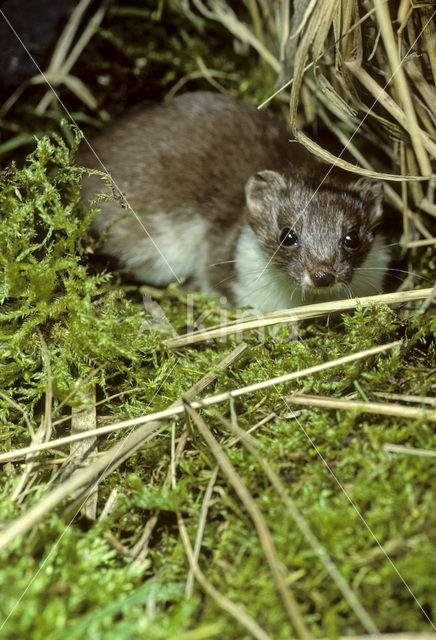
182	167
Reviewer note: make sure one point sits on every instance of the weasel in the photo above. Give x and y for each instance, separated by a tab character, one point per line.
224	199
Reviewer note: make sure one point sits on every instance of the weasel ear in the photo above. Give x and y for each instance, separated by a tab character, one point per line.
372	192
262	190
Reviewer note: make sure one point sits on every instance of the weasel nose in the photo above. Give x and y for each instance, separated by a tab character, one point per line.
322	278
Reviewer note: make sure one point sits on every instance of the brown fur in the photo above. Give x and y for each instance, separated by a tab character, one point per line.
190	168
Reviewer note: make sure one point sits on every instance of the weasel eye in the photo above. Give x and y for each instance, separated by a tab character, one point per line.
352	240
288	237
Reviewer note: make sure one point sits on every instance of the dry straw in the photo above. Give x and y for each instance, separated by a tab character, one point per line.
70	45
366	70
289	316
178	408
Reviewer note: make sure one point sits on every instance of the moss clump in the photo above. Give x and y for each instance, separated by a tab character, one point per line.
57	310
47	290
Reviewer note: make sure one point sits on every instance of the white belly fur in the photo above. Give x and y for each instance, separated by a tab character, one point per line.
175	254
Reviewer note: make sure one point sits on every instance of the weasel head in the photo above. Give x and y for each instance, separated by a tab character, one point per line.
317	229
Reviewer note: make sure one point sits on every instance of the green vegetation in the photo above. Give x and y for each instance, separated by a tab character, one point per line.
69	332
71	579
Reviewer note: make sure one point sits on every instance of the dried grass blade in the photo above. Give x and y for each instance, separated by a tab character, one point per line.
406	398
200	404
80	479
256	515
299	63
46	425
410	451
380	408
390	105
327	10
140	550
305	12
233	609
400	80
95	471
223	13
86	35
64	42
250	443
200	530
421	243
427	91
43	433
293	315
325	155
83	419
429	36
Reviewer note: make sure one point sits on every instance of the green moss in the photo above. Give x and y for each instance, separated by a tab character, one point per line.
47	289
84	584
64	579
